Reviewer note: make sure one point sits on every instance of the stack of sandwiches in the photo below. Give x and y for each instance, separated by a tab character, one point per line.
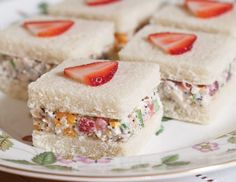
81	101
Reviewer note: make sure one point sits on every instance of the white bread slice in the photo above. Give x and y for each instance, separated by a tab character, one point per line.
93	148
127	15
178	16
115	99
83	39
210	56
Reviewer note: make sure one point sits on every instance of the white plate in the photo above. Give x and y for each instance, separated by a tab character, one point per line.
181	149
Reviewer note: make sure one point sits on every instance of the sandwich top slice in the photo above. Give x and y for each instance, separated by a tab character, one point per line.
90	109
203	59
33	46
202	15
51	40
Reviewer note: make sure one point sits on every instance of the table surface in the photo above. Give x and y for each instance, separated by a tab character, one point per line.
5	177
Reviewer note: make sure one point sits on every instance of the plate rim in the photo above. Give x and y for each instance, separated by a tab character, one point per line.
138	177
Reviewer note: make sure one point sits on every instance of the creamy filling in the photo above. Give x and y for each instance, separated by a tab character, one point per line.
24	70
190	94
105	129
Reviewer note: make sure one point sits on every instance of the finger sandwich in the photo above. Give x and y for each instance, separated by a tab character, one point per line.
196	68
128	15
202	15
85	107
33	46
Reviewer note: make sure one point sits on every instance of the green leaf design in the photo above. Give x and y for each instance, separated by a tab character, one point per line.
5	143
58	167
139	166
43	7
232	140
157	166
178	163
45	158
170	158
25	162
160	130
165	119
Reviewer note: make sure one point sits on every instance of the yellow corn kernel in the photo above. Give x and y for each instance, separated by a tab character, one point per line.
69	132
36	127
71	119
114	123
57	122
59	116
121	38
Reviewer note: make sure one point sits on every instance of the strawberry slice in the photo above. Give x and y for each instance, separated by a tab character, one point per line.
100	2
173	43
208	8
48	28
93	74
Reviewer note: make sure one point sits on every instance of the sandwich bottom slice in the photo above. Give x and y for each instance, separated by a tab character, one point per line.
197	103
95	137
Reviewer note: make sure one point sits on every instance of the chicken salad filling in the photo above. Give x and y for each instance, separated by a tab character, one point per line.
24	70
105	129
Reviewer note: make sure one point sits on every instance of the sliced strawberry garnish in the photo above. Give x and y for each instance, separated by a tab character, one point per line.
208	8
93	74
48	28
100	2
173	43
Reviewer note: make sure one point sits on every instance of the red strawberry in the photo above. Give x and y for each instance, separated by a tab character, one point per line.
173	43
93	74
100	2
48	28
86	125
208	8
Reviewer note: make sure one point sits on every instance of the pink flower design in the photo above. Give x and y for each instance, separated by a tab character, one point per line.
66	160
206	147
89	161
85	160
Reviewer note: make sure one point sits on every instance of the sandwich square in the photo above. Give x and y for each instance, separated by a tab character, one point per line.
112	102
193	82
128	16
27	53
191	66
77	41
181	17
